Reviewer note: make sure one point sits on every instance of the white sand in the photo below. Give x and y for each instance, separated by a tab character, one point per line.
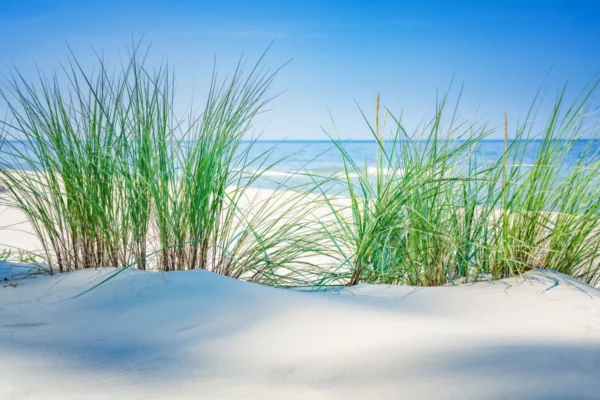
196	335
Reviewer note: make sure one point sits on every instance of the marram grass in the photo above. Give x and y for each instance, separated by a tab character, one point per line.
435	213
116	178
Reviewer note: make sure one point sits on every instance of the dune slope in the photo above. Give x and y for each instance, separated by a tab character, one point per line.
192	335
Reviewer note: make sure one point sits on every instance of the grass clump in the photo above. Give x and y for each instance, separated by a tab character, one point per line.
435	212
115	178
551	207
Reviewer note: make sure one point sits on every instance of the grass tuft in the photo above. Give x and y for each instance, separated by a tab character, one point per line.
436	213
115	178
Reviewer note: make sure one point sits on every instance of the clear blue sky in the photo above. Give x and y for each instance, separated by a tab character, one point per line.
342	51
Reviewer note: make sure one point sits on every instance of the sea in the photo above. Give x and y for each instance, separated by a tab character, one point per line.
321	158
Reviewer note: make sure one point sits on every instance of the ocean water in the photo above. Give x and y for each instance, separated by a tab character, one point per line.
321	158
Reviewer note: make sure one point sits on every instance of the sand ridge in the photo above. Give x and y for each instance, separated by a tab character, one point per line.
194	334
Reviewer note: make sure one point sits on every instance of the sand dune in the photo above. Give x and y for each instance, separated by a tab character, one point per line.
196	335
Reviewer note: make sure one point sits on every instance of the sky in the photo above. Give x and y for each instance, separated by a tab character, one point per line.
342	52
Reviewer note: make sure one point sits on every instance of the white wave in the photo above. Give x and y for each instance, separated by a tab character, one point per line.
339	173
275	173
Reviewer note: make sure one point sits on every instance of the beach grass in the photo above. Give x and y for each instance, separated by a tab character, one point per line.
115	178
435	213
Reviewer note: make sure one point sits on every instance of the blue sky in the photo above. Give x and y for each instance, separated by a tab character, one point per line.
343	52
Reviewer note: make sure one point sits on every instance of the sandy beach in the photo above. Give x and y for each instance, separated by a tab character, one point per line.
190	335
314	200
194	334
